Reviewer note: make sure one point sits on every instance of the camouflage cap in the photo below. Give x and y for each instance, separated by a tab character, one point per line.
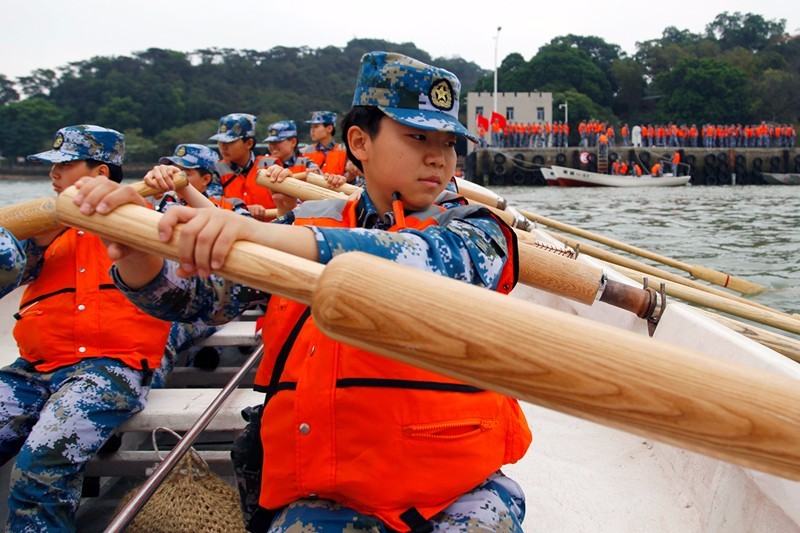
85	141
281	130
235	126
323	117
410	92
193	156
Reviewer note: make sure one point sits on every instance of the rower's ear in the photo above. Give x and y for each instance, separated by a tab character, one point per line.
358	141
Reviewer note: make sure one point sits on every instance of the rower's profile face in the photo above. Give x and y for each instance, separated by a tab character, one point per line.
414	162
63	175
197	178
237	152
319	132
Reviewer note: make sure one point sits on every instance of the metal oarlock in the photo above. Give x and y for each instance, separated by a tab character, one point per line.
659	305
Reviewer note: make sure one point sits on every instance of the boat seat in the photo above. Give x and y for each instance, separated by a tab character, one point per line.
176	409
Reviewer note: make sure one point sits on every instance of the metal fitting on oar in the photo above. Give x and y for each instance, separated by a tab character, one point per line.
643	302
520	222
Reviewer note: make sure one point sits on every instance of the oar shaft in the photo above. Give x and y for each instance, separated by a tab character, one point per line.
605	374
473	191
698	271
780	343
29	219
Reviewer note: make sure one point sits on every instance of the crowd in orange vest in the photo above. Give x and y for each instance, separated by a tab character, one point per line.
528	134
555	134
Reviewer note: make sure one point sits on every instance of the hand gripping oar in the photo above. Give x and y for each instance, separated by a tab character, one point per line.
538	268
649	387
149	487
698	271
34	217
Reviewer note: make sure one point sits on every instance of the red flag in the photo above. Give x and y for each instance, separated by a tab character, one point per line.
482	122
499	119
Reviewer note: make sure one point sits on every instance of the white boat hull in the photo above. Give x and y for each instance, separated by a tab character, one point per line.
570	177
772	178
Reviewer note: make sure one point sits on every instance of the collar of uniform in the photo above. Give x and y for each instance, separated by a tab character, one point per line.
368	217
237	170
327	148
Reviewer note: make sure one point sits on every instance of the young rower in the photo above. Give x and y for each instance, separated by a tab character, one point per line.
86	355
353	441
329	155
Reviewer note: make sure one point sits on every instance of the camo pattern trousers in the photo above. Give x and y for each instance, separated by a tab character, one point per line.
54	423
495	506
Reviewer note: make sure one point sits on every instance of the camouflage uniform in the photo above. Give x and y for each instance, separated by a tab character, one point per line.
496	505
12	262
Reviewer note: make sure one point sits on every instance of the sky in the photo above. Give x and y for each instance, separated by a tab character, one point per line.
50	33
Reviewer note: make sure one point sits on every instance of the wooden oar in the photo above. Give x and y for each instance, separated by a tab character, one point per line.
698	271
780	343
762	316
538	268
481	194
602	373
37	216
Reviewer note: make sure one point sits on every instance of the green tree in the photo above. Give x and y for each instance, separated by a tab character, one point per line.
28	126
120	113
560	67
8	93
779	93
630	76
748	31
704	90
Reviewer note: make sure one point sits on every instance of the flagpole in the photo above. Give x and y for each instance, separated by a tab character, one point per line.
496	41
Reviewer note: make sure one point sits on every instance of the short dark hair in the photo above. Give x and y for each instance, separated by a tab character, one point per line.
114	171
368	118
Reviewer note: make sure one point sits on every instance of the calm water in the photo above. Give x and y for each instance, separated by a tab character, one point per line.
752	232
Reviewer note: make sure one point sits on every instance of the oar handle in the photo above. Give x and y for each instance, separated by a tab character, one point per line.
564	362
298	188
34	217
247	263
179	180
320	181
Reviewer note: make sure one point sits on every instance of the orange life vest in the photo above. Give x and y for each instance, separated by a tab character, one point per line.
377	435
72	311
331	163
244	186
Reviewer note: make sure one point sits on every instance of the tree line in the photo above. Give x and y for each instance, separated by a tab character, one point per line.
743	68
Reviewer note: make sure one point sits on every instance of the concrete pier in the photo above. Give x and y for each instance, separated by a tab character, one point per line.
707	166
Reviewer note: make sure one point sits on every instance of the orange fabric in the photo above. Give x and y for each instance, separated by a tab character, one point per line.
72	311
331	163
246	188
341	416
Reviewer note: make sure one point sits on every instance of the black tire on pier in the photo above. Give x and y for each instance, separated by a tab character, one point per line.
561	159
